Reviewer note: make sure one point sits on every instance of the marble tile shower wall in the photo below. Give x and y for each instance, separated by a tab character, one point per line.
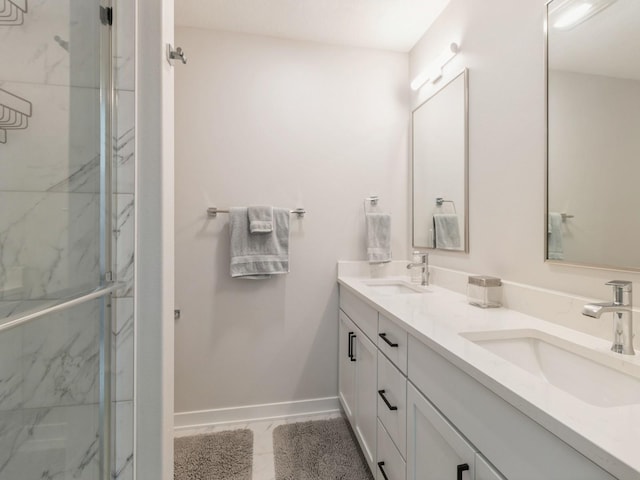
49	172
49	189
49	410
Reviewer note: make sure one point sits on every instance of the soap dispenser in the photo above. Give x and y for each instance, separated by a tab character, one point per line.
416	275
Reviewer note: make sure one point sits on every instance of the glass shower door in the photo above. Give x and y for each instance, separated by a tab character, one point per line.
55	252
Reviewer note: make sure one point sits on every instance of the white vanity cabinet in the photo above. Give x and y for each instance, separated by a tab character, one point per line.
435	451
346	366
516	445
366	357
390	464
401	434
358	372
420	416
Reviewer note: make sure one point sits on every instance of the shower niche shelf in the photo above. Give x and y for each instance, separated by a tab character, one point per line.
14	113
12	12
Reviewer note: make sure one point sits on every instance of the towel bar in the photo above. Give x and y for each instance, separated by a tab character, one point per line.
213	211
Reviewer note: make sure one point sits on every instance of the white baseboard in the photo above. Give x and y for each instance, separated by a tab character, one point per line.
200	418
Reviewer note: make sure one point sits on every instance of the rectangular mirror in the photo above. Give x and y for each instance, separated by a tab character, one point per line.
593	133
440	160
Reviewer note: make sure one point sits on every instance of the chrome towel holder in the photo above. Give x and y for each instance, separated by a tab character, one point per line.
440	201
371	204
213	212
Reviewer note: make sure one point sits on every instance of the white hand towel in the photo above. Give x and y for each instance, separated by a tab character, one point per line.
447	230
378	237
260	219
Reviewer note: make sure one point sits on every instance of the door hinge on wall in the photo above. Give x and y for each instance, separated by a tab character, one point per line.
106	15
108	277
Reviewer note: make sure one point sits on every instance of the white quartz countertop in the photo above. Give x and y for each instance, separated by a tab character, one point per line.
609	436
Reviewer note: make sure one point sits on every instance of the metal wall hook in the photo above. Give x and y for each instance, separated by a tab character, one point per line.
177	54
371	204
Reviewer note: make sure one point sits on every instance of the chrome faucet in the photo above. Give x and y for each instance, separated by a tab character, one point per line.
424	265
622	316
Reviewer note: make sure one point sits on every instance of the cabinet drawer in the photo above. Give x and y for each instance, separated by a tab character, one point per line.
364	316
436	451
392	387
392	341
389	459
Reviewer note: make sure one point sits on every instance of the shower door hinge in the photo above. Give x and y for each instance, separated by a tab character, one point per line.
106	15
108	276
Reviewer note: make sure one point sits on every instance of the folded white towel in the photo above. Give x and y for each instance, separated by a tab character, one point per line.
260	219
447	230
258	256
378	237
555	249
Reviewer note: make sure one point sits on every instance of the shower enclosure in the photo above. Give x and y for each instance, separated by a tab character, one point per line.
56	280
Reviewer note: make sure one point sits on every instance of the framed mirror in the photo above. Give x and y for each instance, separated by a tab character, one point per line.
593	133
440	164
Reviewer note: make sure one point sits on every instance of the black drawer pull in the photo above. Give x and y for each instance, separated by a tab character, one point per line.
462	468
350	347
352	355
391	407
380	465
388	342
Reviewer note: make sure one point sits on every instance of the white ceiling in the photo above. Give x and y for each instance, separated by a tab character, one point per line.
383	24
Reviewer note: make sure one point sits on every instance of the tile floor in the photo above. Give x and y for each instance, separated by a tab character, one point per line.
263	468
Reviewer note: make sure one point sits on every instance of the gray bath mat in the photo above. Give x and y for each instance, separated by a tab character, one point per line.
319	450
215	456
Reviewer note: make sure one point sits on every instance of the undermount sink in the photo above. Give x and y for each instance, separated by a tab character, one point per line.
597	378
393	287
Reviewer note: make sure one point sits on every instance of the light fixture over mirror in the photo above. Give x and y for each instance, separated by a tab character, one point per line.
571	13
593	145
433	72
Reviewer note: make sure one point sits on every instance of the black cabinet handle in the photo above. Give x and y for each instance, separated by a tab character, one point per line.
462	468
380	465
388	342
391	407
352	355
350	347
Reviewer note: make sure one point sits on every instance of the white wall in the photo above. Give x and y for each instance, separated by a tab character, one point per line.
267	121
594	148
154	259
502	44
